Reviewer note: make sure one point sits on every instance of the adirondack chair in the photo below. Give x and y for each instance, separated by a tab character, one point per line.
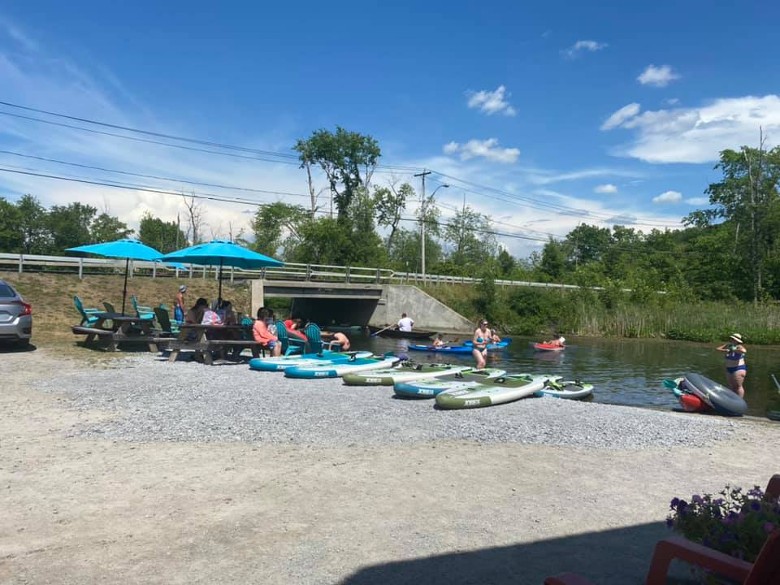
290	345
88	316
142	311
109	307
163	318
315	342
765	570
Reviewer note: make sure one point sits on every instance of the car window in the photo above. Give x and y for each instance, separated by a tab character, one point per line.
6	292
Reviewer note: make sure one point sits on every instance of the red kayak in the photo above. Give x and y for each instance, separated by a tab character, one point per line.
547	347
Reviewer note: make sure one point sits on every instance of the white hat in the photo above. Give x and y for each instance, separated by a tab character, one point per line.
736	337
562	339
183	288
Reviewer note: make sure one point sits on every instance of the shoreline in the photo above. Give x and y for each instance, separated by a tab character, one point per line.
100	507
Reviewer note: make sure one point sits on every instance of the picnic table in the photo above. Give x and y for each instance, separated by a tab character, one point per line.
116	328
204	340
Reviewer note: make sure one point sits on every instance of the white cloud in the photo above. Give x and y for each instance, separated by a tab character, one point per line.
488	149
583	46
606	188
697	135
657	76
621	116
698	201
491	102
668	197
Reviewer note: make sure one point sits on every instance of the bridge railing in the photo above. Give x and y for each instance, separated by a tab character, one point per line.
290	271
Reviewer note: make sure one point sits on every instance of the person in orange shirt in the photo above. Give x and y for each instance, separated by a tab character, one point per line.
261	334
293	325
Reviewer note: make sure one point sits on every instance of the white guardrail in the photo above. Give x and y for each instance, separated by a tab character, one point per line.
290	271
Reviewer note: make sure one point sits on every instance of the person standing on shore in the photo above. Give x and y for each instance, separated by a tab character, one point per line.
178	304
736	368
405	323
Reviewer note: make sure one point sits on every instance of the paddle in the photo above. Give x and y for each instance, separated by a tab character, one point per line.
777	384
380	331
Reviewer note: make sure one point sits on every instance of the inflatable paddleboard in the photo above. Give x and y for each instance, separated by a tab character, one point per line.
491	392
276	364
569	389
406	373
430	388
720	398
334	370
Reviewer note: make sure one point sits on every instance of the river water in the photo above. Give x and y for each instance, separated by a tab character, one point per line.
623	371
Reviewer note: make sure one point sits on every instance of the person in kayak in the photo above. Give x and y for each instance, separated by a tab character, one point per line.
736	368
406	323
560	341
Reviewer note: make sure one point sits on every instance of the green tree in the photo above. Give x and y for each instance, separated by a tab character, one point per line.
390	203
587	244
69	225
348	160
469	238
166	236
11	236
747	198
277	228
552	263
107	228
35	231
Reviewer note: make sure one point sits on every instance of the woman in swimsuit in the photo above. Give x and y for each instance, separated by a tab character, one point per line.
482	336
736	368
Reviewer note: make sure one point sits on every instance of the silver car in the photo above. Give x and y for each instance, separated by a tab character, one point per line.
15	316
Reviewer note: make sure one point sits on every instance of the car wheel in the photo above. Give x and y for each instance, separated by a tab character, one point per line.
23	343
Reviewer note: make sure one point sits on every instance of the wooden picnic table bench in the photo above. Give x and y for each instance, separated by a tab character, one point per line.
195	338
123	328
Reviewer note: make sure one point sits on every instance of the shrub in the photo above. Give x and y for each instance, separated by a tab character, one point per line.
736	523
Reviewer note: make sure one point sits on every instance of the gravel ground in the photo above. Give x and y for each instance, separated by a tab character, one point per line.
185	401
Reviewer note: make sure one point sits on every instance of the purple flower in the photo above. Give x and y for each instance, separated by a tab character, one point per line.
696	499
674	503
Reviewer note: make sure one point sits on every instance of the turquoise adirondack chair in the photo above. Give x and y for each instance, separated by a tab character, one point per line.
88	316
290	345
316	344
142	311
164	319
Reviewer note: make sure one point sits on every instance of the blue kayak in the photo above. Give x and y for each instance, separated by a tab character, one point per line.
464	348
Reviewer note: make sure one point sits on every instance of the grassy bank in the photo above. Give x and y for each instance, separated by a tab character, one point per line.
51	296
610	313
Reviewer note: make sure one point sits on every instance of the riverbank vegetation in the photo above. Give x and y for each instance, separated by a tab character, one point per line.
719	273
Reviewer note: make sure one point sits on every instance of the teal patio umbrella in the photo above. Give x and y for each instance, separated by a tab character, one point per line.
222	253
127	248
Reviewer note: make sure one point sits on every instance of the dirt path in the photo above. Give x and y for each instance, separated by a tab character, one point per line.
76	510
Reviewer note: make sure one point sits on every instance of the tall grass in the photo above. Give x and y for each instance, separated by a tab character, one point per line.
615	313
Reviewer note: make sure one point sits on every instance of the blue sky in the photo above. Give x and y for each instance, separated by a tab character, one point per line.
541	117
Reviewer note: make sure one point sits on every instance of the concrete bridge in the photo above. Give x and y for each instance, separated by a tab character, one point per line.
361	304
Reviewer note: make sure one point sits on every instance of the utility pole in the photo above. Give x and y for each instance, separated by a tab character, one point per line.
422	222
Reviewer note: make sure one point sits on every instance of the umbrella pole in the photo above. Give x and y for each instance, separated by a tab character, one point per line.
124	290
219	294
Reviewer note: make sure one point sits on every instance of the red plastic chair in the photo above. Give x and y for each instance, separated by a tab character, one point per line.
765	571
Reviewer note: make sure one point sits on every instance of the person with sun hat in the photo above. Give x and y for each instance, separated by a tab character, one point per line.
736	368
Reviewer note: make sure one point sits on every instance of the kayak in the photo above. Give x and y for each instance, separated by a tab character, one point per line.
689	402
547	347
336	369
407	372
430	388
503	343
570	389
491	392
466	347
279	363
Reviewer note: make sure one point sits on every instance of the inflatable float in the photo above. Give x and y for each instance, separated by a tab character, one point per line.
547	346
569	389
698	393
